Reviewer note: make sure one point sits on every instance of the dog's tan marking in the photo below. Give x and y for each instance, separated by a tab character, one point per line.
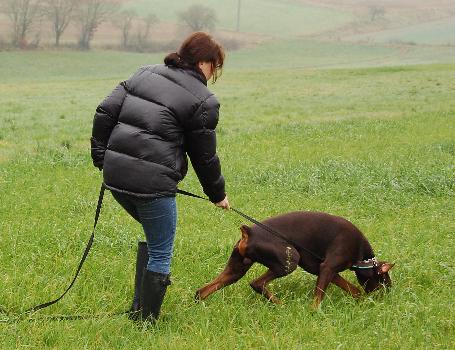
288	260
243	241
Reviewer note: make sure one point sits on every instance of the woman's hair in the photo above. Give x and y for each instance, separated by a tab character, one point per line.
198	47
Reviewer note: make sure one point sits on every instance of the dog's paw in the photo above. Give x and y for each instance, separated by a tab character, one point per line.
200	295
315	305
273	299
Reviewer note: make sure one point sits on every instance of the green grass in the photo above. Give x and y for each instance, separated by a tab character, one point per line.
375	145
278	18
300	53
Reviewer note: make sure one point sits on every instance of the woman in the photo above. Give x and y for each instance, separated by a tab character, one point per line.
142	134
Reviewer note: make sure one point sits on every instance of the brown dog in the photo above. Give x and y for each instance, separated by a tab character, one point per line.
320	243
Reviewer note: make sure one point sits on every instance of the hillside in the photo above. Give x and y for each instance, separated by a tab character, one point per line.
401	21
277	18
297	32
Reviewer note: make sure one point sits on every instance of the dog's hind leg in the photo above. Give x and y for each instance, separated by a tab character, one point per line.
259	285
235	269
346	286
280	264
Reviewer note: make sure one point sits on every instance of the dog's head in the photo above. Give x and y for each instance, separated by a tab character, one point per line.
374	277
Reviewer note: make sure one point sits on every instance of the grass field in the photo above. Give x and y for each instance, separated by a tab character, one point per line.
376	145
61	66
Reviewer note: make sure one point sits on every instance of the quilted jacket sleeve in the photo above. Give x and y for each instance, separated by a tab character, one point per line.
106	117
200	141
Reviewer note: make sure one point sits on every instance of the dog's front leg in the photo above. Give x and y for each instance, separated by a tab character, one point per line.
346	286
326	275
259	286
235	269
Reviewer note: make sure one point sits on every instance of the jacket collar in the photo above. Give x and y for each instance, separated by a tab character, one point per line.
199	76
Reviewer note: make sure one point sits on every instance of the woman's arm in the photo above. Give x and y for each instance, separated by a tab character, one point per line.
106	117
200	141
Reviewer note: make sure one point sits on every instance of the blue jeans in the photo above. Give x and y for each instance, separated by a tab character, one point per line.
158	217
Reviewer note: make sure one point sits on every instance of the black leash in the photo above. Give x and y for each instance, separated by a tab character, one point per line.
364	264
89	246
260	224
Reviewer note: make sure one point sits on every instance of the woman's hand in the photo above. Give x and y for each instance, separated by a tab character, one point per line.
224	204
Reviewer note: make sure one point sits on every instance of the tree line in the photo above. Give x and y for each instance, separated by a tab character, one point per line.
88	15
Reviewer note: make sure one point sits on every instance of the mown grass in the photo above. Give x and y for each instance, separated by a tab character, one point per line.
374	145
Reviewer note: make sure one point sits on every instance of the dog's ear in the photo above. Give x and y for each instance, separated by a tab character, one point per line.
385	267
245	231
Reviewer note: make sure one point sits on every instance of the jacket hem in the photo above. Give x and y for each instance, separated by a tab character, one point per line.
142	195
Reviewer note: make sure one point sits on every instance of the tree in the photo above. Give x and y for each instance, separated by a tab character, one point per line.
59	13
199	17
143	31
124	21
23	14
90	14
376	12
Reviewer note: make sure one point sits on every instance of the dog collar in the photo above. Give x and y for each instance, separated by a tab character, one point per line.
366	264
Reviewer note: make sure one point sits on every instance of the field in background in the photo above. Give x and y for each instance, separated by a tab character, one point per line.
374	145
276	18
441	32
403	22
299	53
260	19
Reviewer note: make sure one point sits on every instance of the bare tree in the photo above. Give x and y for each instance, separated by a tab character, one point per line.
199	17
59	13
23	14
90	14
124	21
143	31
376	12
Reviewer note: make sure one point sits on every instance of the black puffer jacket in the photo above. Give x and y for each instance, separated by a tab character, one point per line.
144	129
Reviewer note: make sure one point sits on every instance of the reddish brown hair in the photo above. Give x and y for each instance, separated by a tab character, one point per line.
198	47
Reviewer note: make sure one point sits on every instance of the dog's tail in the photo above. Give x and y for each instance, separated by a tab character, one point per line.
244	240
245	232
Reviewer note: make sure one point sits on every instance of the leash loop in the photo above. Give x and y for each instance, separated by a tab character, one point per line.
78	270
84	257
